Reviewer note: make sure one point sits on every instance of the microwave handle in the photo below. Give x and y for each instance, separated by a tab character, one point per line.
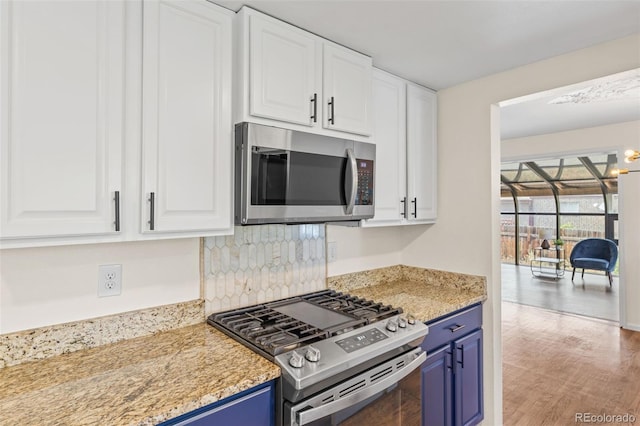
310	415
350	181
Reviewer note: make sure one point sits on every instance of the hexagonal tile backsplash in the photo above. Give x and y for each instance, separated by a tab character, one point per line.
261	263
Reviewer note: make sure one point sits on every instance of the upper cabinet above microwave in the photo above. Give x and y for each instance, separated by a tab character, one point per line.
291	78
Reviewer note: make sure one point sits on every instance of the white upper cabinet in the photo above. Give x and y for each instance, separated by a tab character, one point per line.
290	78
347	90
283	76
404	130
105	102
61	129
187	135
389	132
422	169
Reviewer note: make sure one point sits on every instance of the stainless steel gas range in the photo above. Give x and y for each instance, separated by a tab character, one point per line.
344	360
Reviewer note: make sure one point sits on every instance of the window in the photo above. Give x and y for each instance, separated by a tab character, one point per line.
568	198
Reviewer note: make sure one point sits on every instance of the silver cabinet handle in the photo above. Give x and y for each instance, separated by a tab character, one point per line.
350	181
456	327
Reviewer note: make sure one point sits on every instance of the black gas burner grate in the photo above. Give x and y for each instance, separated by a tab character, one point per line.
272	332
358	307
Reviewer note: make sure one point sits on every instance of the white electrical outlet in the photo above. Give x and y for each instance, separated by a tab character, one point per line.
332	251
109	280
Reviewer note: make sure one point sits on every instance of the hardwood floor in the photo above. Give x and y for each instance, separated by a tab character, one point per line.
556	365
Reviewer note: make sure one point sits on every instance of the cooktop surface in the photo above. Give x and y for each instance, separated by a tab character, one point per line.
280	326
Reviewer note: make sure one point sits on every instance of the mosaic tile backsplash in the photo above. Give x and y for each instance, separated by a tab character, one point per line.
261	263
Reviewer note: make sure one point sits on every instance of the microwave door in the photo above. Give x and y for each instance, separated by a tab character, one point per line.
292	178
316	180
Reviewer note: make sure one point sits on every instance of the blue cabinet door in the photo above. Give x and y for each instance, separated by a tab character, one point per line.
468	379
437	380
253	407
452	373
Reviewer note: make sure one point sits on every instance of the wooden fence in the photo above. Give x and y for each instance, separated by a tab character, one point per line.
529	238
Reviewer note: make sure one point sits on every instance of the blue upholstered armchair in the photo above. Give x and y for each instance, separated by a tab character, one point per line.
594	253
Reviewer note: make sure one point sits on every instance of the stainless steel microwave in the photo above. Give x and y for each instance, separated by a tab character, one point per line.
286	176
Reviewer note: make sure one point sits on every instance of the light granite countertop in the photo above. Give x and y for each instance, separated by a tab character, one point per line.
95	379
140	381
424	302
427	294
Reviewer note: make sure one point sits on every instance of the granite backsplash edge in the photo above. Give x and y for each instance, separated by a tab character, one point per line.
435	277
45	342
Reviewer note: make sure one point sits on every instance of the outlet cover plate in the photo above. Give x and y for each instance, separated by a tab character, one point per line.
332	251
109	280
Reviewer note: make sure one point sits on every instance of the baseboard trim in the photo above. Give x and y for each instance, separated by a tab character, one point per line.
632	327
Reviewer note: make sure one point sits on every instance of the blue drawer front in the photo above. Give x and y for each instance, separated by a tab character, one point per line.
449	328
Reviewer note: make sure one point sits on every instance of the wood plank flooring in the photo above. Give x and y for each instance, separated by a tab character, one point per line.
556	365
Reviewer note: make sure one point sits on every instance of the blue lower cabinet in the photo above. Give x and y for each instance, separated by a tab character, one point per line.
437	385
468	379
253	407
452	372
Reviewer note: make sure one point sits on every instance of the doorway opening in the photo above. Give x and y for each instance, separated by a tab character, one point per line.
558	151
547	207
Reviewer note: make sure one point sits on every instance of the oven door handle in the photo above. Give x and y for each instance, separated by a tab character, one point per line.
350	181
308	416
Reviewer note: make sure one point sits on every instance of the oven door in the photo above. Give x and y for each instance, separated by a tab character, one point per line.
388	394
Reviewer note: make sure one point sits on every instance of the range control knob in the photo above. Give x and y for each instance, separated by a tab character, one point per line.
296	360
392	325
411	319
402	322
312	354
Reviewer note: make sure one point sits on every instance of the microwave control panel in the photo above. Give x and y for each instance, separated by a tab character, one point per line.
364	194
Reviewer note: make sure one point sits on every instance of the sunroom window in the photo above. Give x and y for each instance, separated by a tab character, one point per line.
569	198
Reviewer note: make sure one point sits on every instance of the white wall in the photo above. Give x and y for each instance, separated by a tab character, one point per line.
361	249
465	238
53	285
612	138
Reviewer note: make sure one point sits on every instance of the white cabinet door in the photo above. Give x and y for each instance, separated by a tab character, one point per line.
283	71
346	90
61	94
389	135
421	153
187	135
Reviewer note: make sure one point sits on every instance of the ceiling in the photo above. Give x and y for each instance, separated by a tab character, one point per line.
607	100
440	44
